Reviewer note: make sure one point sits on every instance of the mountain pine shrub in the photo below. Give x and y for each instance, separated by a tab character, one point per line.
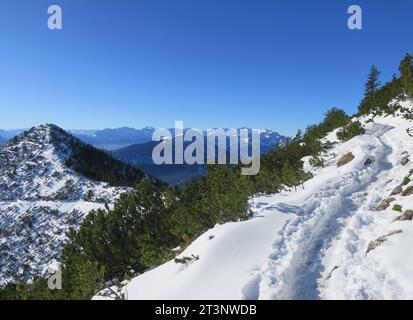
350	131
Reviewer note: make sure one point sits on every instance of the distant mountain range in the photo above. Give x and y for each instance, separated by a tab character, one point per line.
112	139
8	134
135	146
140	155
108	139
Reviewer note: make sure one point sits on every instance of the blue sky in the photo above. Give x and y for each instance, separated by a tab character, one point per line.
211	63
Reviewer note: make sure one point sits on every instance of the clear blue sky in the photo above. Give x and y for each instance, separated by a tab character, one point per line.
211	63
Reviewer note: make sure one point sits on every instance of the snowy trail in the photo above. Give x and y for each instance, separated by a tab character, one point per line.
295	265
311	243
367	276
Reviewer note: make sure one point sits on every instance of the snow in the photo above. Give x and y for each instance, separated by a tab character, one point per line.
309	244
242	247
40	199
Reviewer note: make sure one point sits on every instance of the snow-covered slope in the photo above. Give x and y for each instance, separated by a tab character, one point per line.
335	239
40	199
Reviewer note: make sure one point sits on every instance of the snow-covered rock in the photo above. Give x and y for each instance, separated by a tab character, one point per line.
40	199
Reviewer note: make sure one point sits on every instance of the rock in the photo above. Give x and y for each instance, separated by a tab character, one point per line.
408	191
345	159
379	241
397	190
405	160
330	274
385	204
368	162
406	216
376	243
324	283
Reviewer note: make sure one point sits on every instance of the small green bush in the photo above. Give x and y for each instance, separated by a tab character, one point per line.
317	162
350	131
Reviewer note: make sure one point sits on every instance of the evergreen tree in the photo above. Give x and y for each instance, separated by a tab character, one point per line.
373	82
406	73
353	129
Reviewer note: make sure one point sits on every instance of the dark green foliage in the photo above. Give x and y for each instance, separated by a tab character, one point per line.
378	102
350	131
333	119
406	74
131	236
376	99
397	207
316	162
98	165
373	82
219	197
79	284
95	164
38	290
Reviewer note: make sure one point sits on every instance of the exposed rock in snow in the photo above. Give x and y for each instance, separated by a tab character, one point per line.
408	191
345	159
406	216
385	204
379	241
405	160
40	199
396	191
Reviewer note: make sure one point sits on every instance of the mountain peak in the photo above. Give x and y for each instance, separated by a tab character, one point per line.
49	181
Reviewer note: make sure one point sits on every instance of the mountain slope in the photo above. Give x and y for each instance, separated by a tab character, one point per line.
44	192
140	155
335	239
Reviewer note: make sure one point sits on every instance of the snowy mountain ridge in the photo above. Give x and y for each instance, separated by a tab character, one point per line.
346	235
40	199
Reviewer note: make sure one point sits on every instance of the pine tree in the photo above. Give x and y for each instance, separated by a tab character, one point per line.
373	82
371	92
406	72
